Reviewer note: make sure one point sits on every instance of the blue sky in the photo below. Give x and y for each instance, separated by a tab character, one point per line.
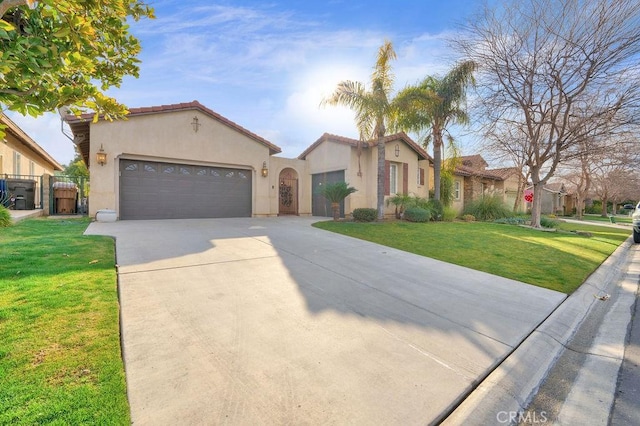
268	65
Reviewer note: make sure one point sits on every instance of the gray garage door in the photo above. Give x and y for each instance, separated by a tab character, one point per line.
153	190
319	205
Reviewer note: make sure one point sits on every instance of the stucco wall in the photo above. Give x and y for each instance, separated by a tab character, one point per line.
278	164
170	137
10	145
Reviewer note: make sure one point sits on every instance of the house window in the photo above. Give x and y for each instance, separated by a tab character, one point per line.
420	176
393	178
456	190
32	168
17	159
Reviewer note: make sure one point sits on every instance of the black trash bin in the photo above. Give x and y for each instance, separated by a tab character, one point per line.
23	189
20	203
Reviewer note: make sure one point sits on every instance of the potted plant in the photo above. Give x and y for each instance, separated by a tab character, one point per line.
335	193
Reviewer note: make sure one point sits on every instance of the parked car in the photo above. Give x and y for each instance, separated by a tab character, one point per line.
635	219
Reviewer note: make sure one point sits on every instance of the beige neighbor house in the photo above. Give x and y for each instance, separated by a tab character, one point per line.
555	199
472	181
22	164
186	161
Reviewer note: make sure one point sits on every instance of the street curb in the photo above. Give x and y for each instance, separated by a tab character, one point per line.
509	389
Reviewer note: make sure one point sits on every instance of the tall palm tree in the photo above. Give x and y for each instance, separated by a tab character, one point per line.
436	103
372	107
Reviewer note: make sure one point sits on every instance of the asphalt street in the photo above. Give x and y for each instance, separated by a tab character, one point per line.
626	408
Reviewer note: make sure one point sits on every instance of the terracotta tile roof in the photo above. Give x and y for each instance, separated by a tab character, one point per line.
475	165
496	174
504	172
194	105
474	161
422	154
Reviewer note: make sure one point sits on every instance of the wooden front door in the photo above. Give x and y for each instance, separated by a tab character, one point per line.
288	195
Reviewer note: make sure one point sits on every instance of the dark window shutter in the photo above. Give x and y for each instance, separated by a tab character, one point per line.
421	176
387	177
405	178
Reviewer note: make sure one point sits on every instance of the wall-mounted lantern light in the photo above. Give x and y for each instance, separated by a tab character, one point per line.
265	171
397	150
101	156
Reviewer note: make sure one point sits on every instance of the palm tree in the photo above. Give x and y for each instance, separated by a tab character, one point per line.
372	107
436	103
335	193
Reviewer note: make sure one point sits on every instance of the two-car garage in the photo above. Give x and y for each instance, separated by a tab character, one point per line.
159	190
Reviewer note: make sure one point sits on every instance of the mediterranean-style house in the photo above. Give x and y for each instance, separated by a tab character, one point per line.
22	164
472	181
186	161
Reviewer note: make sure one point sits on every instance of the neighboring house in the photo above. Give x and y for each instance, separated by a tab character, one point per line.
21	155
23	162
472	181
187	161
554	199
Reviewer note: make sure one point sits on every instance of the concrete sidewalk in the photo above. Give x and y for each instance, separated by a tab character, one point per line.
566	371
271	321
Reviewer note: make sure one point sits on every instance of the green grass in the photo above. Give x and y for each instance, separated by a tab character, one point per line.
598	218
60	360
556	260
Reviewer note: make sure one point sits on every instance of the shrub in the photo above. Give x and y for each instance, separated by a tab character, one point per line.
5	217
488	208
469	218
546	222
400	201
511	220
449	214
365	215
417	214
436	208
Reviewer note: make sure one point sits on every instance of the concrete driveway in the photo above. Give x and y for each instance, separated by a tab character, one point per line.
271	321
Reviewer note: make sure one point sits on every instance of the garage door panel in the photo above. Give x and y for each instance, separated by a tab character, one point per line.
150	190
319	205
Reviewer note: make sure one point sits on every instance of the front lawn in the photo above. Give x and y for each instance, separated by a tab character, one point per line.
60	358
556	260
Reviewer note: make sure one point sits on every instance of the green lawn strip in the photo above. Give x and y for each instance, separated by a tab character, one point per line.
556	260
597	218
60	359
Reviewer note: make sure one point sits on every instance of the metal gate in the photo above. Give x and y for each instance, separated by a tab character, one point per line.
69	195
288	195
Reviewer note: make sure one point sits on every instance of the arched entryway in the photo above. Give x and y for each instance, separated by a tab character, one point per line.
288	192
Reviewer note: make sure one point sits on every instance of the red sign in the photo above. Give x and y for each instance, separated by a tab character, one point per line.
528	196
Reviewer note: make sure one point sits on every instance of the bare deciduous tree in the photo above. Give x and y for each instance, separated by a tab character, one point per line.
556	71
615	176
507	144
